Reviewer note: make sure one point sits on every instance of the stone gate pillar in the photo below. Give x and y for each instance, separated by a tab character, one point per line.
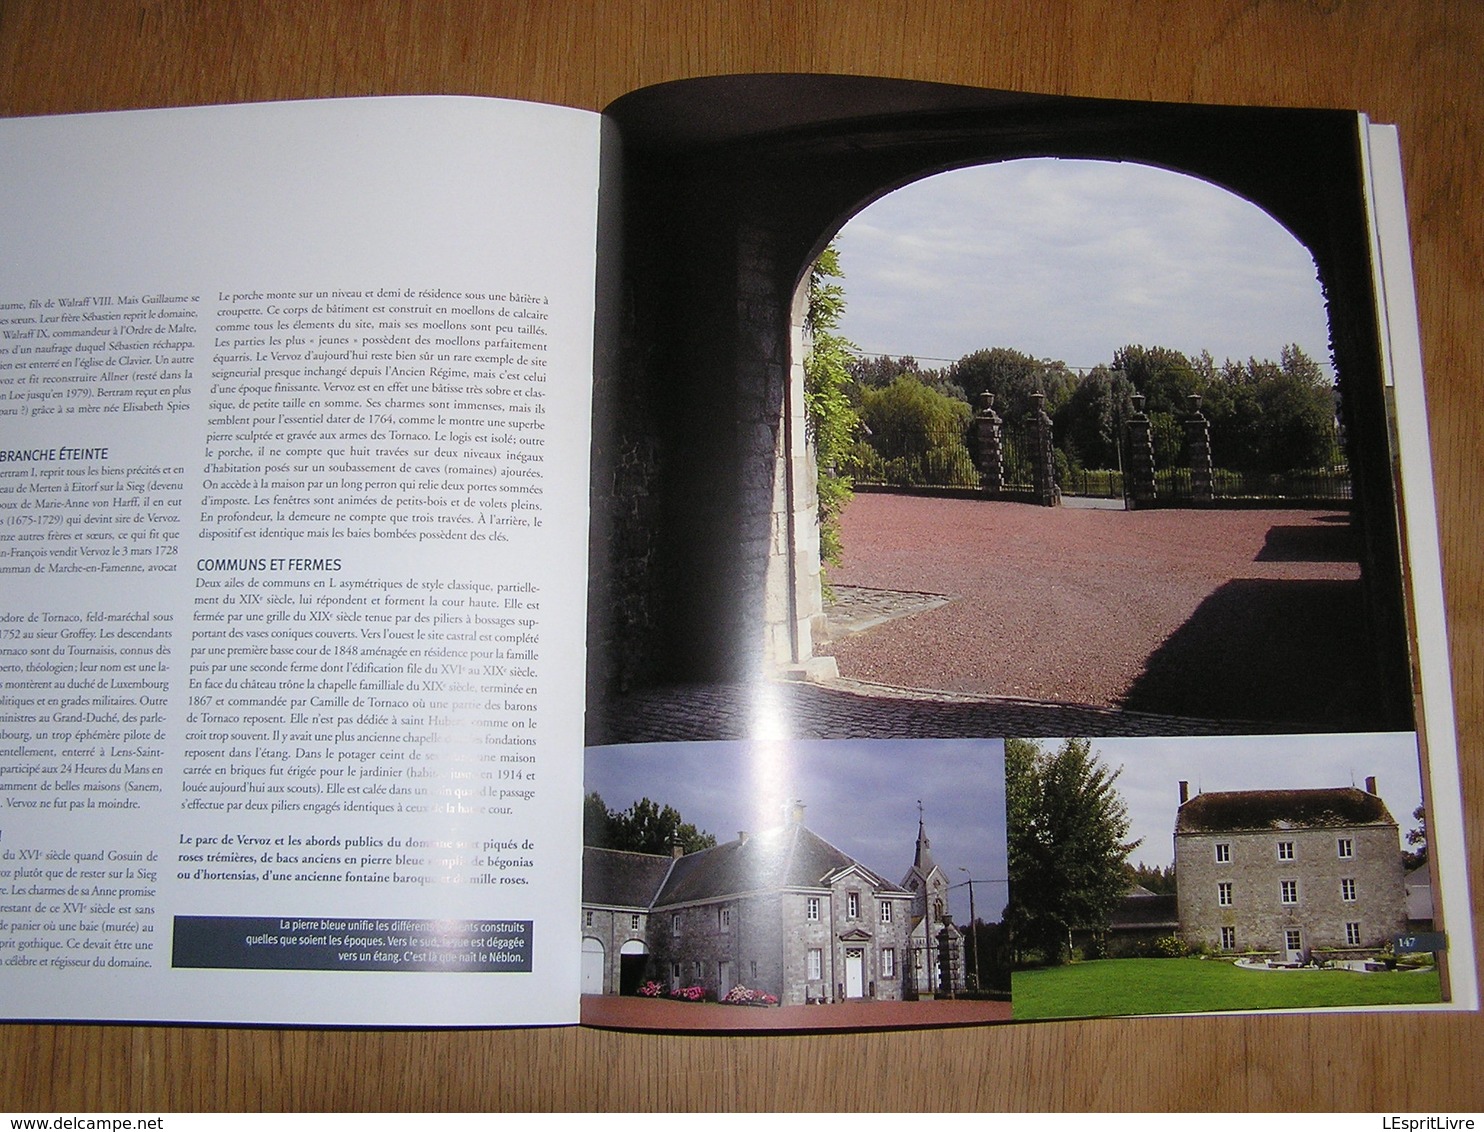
1140	469
1043	463
989	432
1198	441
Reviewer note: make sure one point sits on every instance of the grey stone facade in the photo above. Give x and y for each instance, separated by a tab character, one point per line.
1289	871
933	931
782	911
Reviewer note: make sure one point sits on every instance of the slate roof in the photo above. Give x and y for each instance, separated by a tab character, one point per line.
1142	909
1241	810
616	878
790	857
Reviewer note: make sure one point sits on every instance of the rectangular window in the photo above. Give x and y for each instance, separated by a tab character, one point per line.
674	976
889	963
816	964
1352	934
1224	893
1345	847
886	911
811	908
587	918
1223	852
853	905
1347	889
674	923
634	922
753	971
1288	889
724	919
1293	939
1228	939
1285	850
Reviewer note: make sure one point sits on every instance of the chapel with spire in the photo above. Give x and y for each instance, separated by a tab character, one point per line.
928	884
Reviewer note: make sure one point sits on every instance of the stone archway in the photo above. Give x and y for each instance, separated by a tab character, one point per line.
731	187
633	966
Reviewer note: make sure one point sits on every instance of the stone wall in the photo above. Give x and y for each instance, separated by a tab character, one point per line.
613	928
1256	874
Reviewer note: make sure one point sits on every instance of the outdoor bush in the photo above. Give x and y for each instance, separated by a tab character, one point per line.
740	995
949	467
1170	947
832	419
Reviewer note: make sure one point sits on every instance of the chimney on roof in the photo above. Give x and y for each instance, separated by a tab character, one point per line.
742	836
1184	792
795	812
677	847
1370	784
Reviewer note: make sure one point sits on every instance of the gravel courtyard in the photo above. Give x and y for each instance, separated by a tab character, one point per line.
1219	614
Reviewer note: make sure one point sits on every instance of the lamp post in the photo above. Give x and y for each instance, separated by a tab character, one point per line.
973	925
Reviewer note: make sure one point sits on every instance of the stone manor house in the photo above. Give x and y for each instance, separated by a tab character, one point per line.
781	911
1289	871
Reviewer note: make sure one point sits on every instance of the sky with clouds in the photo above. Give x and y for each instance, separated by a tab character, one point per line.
1154	768
1072	259
860	795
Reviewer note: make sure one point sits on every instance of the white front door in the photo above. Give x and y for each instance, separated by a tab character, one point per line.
1293	941
855	973
592	966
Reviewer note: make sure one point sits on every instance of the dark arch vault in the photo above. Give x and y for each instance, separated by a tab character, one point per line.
726	190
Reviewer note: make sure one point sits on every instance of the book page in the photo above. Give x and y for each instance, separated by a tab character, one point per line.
294	415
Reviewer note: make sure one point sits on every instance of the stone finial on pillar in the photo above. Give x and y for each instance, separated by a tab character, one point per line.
1140	455
1043	462
989	432
1198	442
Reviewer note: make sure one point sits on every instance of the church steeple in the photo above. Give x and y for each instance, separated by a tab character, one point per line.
923	860
925	880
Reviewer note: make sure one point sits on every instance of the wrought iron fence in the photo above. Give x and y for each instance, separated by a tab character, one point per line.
924	456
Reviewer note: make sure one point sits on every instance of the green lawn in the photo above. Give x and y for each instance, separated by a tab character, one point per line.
1173	986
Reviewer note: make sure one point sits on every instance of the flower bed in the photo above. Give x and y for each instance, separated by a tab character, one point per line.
743	996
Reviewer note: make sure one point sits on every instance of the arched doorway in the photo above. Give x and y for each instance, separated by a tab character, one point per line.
1093	271
731	187
633	960
593	965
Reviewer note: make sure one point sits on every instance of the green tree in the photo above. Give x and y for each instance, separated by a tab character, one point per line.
645	827
918	433
1417	838
596	821
1068	844
832	419
1271	416
1089	425
1012	377
1160	881
1166	378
